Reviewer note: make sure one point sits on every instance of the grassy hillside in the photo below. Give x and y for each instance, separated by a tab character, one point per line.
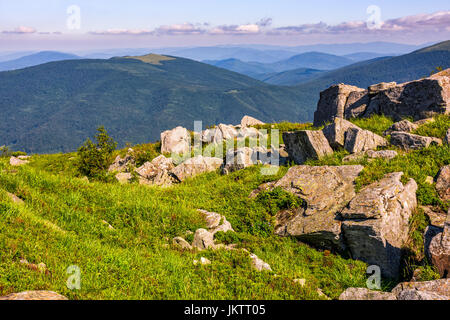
60	224
291	77
53	107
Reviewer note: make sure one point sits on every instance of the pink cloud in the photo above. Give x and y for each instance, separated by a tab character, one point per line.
21	30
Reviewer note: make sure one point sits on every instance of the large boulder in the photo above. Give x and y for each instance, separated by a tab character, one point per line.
245	157
216	222
403	126
358	140
332	103
177	141
409	141
438	250
337	131
377	222
304	145
443	183
377	88
203	239
366	294
156	172
439	287
248	121
324	191
195	166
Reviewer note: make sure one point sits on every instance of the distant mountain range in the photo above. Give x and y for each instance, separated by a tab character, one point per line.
54	106
36	59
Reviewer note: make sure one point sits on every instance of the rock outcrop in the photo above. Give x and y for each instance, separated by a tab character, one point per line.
402	126
438	249
418	99
443	183
377	221
359	140
304	145
157	172
177	141
248	121
123	164
336	132
245	157
409	141
195	166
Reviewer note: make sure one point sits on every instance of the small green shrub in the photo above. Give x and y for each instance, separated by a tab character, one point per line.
95	158
278	199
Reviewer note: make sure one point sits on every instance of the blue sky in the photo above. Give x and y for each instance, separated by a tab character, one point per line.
27	23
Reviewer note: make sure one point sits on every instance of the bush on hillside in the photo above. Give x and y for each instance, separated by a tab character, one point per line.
95	158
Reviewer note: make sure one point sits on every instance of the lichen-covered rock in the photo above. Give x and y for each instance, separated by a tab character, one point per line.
401	126
337	131
332	103
383	154
409	141
181	243
245	157
259	264
438	250
358	140
304	145
195	166
34	295
325	191
16	162
419	295
248	121
203	239
123	164
379	222
216	222
365	294
15	198
377	88
439	287
177	141
443	183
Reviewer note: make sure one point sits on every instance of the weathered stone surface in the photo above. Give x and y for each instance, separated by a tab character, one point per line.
380	224
181	243
401	126
34	295
357	103
203	239
259	264
438	250
419	295
156	172
358	140
337	131
304	145
417	99
443	183
249	133
123	164
177	141
216	222
437	218
365	294
377	88
325	191
248	121
409	141
447	137
15	198
195	166
383	154
440	287
332	103
219	134
245	157
16	162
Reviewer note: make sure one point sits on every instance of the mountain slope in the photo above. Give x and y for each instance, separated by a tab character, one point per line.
36	59
312	60
251	69
290	77
55	106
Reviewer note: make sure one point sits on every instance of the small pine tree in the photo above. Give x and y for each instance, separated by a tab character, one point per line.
95	158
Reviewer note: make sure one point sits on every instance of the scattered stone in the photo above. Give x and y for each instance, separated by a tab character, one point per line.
110	227
305	145
443	183
259	264
15	198
203	239
379	222
180	242
245	157
409	141
16	162
325	191
337	131
358	140
195	166
371	154
34	295
365	294
419	295
437	218
301	282
124	177
438	250
216	222
157	172
177	141
401	126
440	287
123	164
248	121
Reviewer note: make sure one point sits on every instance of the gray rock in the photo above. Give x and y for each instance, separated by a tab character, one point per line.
380	222
195	166
14	198
443	183
358	140
325	191
409	141
304	145
123	164
245	157
34	295
402	126
203	239
259	264
419	295
216	222
181	243
248	121
439	287
337	131
365	294
124	177
157	172
377	88
16	162
332	103
447	137
176	141
438	249
383	154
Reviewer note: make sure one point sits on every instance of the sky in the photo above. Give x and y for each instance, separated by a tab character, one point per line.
96	24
